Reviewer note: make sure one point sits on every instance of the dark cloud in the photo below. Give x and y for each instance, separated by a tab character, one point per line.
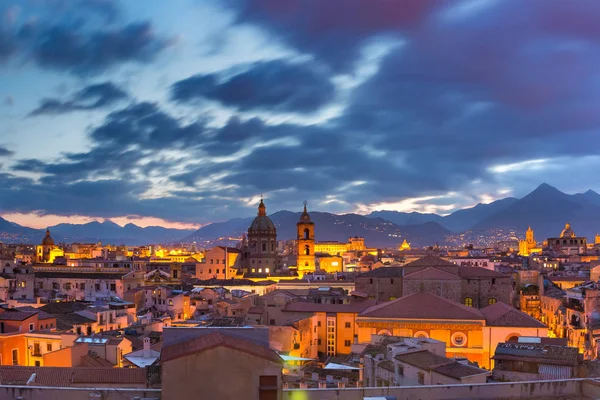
4	152
66	48
334	30
89	98
271	85
83	37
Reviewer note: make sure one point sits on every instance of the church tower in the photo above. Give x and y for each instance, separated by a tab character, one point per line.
529	237
305	228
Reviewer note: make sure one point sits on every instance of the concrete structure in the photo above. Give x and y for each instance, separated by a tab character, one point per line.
198	365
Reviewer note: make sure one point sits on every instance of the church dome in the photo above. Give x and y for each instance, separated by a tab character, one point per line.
47	241
262	223
567	232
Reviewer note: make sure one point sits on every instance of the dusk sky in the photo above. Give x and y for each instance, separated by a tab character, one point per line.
183	112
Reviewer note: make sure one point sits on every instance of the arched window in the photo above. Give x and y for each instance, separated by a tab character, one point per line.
469	301
513	338
491	301
306	233
307	250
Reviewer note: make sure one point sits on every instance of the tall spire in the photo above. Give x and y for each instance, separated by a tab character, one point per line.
305	217
262	209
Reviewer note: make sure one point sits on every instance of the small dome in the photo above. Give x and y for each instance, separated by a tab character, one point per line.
567	232
47	241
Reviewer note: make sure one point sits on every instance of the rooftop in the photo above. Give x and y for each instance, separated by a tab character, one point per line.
536	352
501	314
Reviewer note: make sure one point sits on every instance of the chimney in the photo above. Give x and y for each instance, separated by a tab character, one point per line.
146	347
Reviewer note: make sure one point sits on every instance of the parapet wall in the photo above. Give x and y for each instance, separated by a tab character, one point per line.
54	393
569	388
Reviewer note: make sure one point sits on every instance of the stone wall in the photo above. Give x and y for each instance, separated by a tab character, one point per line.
382	289
571	388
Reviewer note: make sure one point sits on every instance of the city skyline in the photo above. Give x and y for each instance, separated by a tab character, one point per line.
185	113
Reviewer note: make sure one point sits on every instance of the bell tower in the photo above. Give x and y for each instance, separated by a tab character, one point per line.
305	259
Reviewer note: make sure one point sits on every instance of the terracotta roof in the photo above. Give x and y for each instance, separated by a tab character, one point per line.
426	360
256	310
91	361
66	376
501	314
80	275
422	359
536	352
478	272
352	307
64	307
430	261
110	375
458	370
432	273
213	340
16	315
383	272
422	305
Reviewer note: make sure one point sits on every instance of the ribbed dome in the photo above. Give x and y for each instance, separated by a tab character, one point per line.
567	232
262	223
47	241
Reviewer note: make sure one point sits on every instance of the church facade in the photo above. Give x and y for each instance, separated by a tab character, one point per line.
568	243
259	250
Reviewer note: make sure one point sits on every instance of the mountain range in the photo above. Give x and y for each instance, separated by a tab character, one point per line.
91	232
546	210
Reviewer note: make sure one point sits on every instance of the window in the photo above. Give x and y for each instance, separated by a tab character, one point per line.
491	301
264	247
97	287
392	281
36	349
170	302
421	334
421	378
223	261
493	281
267	270
319	324
458	339
175	274
82	286
307	250
210	270
319	342
469	301
113	287
371	281
31	327
306	233
15	357
37	364
217	271
271	322
347	343
55	285
211	261
348	325
400	370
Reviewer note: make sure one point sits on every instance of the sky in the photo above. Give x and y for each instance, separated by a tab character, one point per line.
186	112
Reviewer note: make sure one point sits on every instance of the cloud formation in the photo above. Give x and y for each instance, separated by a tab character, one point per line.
271	85
89	98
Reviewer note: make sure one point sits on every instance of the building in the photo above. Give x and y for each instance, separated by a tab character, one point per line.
529	245
220	262
406	361
338	248
305	230
47	251
568	243
405	246
198	365
259	251
467	331
81	283
382	284
531	360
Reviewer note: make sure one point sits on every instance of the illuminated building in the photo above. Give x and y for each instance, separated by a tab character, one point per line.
568	243
219	262
47	251
305	229
404	246
338	248
467	331
529	245
330	264
260	249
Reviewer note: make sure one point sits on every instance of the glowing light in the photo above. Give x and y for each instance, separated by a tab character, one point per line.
538	164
